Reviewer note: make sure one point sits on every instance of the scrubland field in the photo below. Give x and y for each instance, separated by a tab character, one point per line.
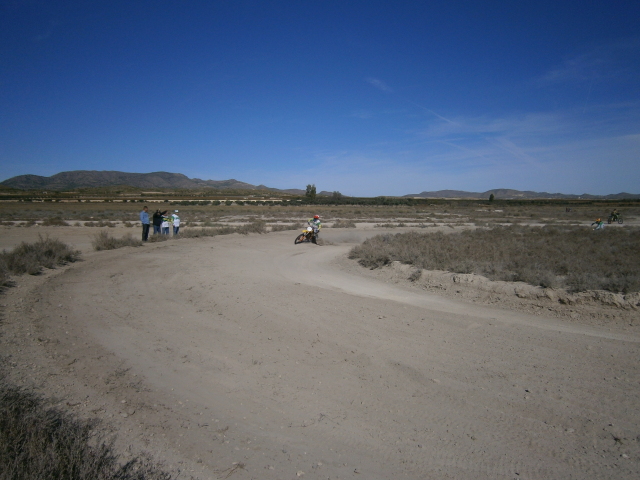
452	340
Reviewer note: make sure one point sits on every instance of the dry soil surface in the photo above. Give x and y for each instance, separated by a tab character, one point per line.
247	357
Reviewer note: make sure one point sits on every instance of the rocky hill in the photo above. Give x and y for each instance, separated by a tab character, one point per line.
91	178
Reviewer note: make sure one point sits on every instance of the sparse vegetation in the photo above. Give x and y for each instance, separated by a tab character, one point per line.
38	441
54	222
281	227
567	257
104	241
255	226
4	273
158	238
32	257
344	224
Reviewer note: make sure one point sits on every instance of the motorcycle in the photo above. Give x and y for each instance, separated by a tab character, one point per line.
614	219
307	235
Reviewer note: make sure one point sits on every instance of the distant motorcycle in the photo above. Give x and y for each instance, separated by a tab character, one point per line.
614	219
307	235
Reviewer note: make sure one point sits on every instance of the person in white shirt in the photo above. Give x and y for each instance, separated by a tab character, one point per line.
165	223
175	219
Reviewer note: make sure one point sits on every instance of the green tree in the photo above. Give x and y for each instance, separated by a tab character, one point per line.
311	192
492	197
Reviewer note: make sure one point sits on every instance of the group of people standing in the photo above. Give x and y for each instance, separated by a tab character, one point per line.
162	222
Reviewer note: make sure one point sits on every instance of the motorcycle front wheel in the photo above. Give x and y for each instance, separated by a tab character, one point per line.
299	239
620	220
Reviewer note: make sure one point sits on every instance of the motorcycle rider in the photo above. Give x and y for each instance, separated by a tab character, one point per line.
599	224
614	215
316	224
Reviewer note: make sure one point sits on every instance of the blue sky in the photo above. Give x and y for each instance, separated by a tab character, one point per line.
365	97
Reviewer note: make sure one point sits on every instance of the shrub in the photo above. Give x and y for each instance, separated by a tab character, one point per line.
415	275
571	257
41	442
255	226
344	224
103	241
158	238
54	222
4	273
281	227
32	257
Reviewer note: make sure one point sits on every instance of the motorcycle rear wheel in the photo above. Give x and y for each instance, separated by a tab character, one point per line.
300	238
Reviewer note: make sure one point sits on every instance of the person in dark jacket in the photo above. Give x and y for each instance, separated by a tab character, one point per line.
157	222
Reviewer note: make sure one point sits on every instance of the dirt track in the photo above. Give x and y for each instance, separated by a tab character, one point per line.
253	357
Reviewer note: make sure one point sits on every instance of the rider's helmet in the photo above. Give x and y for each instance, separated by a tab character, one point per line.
597	220
316	217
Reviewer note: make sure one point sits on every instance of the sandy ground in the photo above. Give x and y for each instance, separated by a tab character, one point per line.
247	357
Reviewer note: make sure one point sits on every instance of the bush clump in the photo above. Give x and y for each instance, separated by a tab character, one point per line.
4	274
41	442
254	226
104	241
344	224
569	257
54	222
281	227
32	257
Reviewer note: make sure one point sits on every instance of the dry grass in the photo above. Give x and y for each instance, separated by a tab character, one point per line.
32	257
104	241
342	223
158	238
54	222
281	227
40	442
575	258
256	226
4	274
100	223
441	212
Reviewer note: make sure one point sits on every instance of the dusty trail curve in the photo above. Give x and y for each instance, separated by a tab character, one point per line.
255	351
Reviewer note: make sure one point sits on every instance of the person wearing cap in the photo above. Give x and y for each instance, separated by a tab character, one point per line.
316	224
175	220
598	223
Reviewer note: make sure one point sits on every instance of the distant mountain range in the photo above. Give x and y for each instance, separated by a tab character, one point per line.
65	181
507	194
91	179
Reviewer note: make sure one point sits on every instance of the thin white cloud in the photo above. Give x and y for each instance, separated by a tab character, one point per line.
607	61
379	84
